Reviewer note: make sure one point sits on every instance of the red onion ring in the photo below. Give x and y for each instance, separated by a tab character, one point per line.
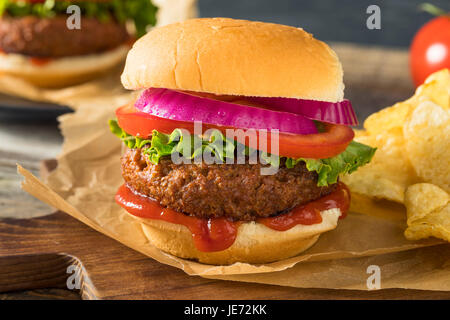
176	105
331	112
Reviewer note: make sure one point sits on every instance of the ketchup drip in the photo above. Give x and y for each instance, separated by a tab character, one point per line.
37	61
40	61
310	213
217	234
209	234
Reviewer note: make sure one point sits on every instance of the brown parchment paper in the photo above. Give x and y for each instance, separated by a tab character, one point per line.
88	176
71	96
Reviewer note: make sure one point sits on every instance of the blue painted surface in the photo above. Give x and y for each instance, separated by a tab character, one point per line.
332	20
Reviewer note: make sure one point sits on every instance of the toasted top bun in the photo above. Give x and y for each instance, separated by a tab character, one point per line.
235	57
255	243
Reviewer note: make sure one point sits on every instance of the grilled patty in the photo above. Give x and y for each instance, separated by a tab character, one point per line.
236	191
50	37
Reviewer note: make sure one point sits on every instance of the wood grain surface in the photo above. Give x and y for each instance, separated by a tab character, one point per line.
35	254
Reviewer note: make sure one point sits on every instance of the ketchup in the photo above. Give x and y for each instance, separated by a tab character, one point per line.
40	61
310	213
35	60
217	234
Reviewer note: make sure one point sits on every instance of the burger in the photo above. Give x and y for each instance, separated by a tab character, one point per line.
234	147
54	43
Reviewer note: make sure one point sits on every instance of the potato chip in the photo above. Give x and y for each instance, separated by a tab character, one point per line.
436	89
424	198
413	141
428	212
390	171
412	138
388	118
427	136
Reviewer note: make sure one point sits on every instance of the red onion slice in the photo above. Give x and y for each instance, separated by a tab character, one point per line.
331	112
176	105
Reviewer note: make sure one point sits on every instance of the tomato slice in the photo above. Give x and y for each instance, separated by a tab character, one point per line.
333	141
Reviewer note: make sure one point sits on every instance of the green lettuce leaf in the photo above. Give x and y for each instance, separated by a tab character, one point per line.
129	140
356	155
141	12
189	146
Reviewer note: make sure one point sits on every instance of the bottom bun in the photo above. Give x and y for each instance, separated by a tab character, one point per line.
62	72
255	243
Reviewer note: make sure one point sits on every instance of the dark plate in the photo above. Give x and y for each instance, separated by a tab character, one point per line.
15	107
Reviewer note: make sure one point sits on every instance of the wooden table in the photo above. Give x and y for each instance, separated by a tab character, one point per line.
26	142
374	78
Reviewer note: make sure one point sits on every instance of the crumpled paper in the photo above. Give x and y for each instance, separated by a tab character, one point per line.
88	175
108	84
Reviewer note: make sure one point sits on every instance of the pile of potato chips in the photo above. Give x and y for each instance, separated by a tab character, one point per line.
412	163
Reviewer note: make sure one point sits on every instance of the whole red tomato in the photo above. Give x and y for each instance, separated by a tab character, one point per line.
430	49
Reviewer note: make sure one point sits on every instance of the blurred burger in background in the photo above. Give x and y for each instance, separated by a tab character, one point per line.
41	43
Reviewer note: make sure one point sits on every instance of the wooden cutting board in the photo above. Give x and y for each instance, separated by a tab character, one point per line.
36	253
45	252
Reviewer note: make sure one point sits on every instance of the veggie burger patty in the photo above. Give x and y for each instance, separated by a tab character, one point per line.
50	37
204	190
